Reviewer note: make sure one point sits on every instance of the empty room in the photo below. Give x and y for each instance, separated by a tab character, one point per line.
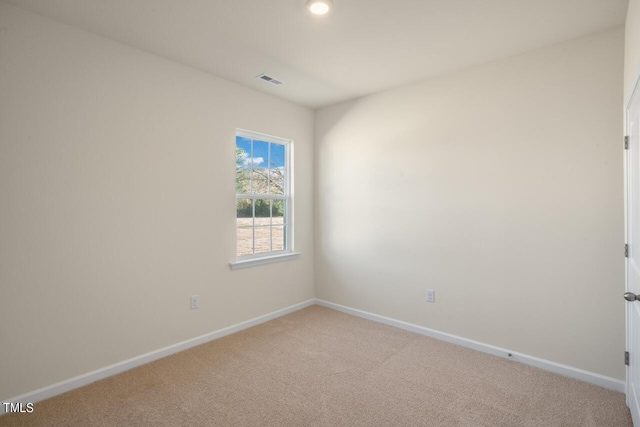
320	213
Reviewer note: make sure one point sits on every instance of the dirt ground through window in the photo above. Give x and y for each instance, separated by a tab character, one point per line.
269	235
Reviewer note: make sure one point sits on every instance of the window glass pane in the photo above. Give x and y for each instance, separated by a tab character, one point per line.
260	167
244	212
278	212
263	239
243	173
244	237
277	170
243	177
263	212
278	237
244	144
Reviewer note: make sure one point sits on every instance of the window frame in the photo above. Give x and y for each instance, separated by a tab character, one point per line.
288	252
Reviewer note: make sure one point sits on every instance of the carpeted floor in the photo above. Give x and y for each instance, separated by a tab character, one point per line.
320	367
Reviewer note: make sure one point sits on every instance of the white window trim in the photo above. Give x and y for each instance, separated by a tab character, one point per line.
270	258
274	256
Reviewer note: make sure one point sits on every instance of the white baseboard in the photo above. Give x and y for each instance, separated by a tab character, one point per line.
547	365
81	380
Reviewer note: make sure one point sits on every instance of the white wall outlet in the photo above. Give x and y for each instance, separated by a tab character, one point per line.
431	295
195	301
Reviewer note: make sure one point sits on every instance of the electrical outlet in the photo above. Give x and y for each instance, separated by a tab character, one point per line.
431	295
195	301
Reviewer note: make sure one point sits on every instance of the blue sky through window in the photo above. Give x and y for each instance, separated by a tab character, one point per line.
260	155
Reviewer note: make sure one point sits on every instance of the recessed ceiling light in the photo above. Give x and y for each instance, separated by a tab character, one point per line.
319	7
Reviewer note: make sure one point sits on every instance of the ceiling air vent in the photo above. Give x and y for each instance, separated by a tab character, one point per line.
269	79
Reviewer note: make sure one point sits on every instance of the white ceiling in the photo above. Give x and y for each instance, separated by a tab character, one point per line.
362	47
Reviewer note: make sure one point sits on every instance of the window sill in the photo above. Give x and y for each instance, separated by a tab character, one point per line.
251	262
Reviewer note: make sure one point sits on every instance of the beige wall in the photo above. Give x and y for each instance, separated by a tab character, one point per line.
501	188
117	202
631	48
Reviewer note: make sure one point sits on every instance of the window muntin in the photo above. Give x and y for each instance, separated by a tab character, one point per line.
263	195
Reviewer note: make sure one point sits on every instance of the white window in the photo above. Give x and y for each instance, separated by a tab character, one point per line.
263	198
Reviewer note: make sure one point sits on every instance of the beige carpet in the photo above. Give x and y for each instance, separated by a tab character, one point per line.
319	367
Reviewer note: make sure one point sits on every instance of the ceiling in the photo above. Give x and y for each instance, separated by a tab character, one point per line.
361	47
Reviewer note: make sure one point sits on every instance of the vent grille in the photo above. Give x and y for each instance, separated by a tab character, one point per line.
270	79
